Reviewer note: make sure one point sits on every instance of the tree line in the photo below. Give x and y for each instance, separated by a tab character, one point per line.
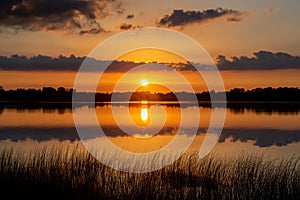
61	94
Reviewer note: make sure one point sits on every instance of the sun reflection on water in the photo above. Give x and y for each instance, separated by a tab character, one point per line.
144	114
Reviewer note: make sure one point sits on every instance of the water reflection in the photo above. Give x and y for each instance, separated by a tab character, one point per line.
44	122
260	137
139	113
144	114
144	111
291	108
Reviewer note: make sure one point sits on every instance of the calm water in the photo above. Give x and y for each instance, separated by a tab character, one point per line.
259	128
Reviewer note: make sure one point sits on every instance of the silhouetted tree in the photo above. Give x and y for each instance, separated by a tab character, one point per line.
61	94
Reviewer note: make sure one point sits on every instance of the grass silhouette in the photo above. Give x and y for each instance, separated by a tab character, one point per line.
59	173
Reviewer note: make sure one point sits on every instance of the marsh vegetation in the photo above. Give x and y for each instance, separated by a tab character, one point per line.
59	173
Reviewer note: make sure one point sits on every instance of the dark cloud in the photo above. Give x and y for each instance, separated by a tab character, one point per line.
126	26
95	30
50	15
184	17
61	63
261	60
16	62
130	16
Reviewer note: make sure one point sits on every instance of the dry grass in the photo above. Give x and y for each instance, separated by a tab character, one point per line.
58	173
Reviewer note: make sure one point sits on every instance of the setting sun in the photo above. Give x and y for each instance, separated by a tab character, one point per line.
144	82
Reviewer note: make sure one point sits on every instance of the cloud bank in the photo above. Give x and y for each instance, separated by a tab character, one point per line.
61	63
262	60
185	17
80	16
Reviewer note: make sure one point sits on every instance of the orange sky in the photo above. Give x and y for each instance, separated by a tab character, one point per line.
149	55
269	25
262	25
246	79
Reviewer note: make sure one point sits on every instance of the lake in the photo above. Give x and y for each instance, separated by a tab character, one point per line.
257	128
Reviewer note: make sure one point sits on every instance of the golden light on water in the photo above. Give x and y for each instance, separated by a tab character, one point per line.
144	136
144	102
140	115
144	114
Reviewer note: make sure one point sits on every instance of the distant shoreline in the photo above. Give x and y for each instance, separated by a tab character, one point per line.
236	95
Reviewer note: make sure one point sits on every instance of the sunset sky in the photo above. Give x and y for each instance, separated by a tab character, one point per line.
251	31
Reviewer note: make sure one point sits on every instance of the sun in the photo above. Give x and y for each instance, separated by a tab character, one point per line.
144	82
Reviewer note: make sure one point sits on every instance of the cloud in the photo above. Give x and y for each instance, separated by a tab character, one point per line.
40	62
184	17
130	16
55	15
61	63
127	26
95	30
262	60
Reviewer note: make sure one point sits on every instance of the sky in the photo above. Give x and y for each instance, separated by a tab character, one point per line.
255	43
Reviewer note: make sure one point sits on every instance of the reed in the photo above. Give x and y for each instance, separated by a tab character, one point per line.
73	173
